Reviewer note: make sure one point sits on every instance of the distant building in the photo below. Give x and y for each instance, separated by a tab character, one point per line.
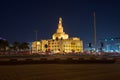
111	44
59	43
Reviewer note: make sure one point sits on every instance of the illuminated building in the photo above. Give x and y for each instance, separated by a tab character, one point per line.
112	44
59	43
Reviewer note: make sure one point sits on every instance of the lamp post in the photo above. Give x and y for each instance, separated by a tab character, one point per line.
36	39
95	44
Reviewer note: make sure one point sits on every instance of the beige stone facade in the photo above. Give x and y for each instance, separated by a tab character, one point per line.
60	43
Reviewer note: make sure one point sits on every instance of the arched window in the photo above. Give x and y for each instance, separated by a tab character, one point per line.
61	38
57	38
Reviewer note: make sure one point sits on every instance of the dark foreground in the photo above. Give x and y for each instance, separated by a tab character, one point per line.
60	72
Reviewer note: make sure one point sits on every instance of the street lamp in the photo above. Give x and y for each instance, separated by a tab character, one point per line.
95	44
36	39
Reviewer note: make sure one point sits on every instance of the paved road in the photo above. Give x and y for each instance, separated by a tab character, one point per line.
61	72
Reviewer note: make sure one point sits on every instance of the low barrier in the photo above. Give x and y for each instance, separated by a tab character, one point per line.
46	60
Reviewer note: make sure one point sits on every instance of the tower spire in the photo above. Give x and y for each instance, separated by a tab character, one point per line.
60	20
60	23
60	34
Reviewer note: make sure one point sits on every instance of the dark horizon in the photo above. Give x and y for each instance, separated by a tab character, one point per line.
20	19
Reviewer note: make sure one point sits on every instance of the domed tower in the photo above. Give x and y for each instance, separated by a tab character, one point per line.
60	34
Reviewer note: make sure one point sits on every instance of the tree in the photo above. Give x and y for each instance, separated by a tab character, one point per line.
16	46
102	45
3	45
90	46
24	46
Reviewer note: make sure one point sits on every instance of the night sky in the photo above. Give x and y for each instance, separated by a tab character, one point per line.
19	19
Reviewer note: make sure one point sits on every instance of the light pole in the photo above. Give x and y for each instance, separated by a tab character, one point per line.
95	44
36	39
